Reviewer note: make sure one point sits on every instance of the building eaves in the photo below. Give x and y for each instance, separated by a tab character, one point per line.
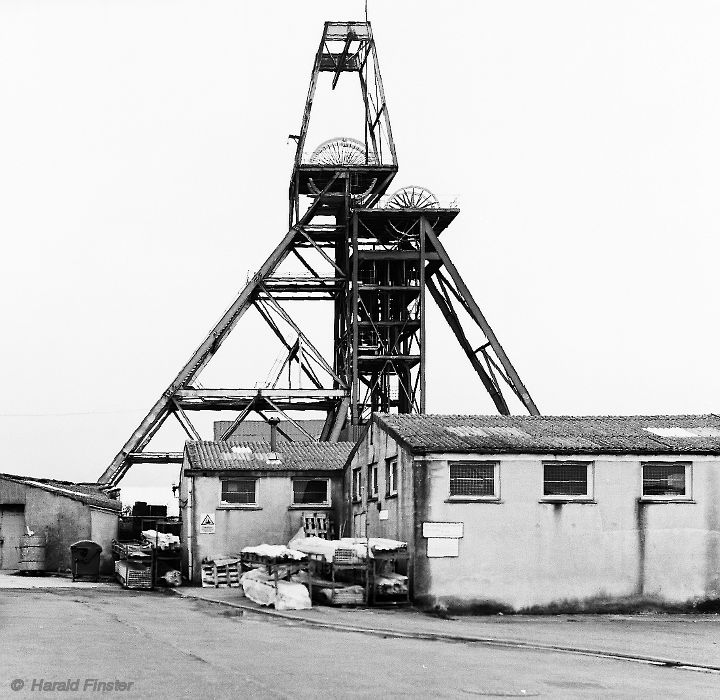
660	434
85	493
203	455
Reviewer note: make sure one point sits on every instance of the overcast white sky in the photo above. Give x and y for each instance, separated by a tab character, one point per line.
144	166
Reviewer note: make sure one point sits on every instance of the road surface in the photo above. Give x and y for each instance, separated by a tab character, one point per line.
127	644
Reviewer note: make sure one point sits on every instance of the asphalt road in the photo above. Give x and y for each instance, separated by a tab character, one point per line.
171	647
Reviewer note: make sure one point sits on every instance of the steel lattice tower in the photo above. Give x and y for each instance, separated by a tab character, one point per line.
375	259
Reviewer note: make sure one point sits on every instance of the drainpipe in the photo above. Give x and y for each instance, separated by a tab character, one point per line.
273	433
190	515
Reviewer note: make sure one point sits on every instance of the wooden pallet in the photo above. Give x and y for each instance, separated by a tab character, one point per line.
317	525
214	576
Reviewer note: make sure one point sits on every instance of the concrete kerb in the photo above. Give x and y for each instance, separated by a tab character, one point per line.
457	638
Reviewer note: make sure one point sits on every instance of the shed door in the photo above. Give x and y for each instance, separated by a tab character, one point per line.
359	525
12	527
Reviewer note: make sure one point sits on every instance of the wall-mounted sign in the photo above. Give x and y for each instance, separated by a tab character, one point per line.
450	530
383	515
442	547
207	523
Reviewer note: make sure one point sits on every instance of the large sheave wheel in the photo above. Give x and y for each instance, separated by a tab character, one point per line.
413	197
340	151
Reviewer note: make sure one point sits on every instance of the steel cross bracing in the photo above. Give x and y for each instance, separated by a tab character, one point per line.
372	264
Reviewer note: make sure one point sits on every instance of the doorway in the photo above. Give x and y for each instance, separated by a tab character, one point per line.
359	524
12	527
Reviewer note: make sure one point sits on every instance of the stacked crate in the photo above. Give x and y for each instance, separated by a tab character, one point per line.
133	574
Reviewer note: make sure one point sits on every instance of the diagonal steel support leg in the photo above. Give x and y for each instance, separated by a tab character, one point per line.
279	429
314	352
207	349
305	367
451	317
340	417
289	419
185	422
240	418
481	321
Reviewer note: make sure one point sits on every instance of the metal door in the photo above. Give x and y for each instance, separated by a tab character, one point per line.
12	527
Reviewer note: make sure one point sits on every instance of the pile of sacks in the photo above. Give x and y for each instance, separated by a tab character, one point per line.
161	540
261	588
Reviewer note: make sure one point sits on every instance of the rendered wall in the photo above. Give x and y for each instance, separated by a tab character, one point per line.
103	530
62	521
274	520
521	552
363	515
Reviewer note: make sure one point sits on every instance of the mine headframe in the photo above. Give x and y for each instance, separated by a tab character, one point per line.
372	257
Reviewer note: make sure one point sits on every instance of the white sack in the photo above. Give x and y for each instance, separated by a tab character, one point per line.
260	588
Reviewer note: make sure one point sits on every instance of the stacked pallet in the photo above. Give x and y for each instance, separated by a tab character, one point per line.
221	572
134	565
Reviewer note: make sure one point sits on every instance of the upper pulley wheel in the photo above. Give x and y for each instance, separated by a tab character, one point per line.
341	151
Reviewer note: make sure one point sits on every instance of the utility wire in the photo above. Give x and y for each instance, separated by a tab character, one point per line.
63	414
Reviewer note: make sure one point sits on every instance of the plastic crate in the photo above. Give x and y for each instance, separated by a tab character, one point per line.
346	556
350	595
133	575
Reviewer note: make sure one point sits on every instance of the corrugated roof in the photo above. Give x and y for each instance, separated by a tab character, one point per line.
556	434
234	455
259	430
86	493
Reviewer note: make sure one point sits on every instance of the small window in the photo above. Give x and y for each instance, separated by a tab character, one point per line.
312	492
567	481
474	480
373	481
238	491
666	481
357	484
392	476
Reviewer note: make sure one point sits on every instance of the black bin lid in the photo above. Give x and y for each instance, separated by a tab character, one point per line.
87	546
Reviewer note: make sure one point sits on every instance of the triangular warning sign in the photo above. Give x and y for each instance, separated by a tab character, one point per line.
207	520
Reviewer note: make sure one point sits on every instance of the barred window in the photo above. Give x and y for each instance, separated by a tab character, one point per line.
311	492
238	491
668	480
566	480
472	479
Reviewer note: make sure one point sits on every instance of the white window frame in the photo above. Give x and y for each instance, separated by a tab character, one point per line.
667	498
310	505
373	480
462	498
587	497
391	480
357	484
230	504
